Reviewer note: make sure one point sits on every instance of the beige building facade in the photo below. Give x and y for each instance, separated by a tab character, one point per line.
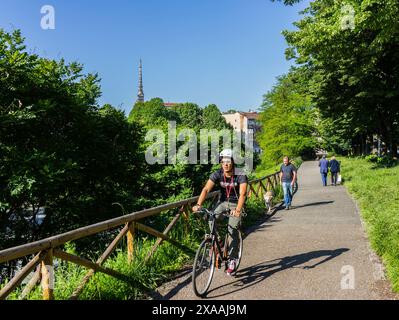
244	122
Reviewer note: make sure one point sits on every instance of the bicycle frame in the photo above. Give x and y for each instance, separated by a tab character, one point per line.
215	243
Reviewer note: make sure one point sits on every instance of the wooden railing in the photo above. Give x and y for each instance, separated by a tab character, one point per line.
46	250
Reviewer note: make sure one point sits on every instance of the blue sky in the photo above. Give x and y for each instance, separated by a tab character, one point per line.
226	52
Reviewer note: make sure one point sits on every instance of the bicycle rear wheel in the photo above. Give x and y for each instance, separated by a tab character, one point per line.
204	267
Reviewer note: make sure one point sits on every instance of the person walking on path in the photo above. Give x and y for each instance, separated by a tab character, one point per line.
335	170
323	164
288	175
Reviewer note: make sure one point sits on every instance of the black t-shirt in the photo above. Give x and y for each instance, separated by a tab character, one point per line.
226	185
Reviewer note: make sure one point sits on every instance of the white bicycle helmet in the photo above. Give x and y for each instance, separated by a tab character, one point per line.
226	153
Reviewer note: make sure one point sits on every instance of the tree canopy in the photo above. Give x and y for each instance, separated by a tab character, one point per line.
288	121
350	51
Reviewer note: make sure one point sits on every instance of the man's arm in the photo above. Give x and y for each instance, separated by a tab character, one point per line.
241	200
281	177
208	187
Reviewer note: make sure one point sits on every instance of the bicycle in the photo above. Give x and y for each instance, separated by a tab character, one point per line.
210	255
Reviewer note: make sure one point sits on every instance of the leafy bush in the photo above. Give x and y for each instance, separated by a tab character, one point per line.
386	161
372	158
382	161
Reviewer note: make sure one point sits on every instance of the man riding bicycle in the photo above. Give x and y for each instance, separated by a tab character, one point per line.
233	188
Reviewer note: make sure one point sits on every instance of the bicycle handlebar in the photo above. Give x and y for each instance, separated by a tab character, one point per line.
226	212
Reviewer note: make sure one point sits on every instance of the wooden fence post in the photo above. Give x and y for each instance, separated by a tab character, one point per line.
263	189
47	270
186	215
275	180
249	191
32	283
130	241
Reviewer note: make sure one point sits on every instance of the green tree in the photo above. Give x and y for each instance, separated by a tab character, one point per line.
188	115
213	119
288	121
152	113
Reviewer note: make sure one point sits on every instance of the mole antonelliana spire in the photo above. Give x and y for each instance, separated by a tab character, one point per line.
140	94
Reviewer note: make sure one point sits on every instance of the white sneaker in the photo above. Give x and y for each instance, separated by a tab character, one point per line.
232	267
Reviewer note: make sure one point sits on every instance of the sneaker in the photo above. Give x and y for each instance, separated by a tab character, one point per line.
231	268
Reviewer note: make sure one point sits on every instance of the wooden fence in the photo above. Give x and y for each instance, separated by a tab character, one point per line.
46	250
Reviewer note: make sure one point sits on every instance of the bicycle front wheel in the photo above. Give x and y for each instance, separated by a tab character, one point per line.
204	267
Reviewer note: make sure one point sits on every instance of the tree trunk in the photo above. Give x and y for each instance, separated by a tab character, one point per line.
394	150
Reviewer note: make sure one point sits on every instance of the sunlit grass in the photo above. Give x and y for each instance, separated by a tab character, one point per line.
377	193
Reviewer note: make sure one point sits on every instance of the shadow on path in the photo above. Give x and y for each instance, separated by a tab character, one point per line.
252	275
313	204
187	279
267	217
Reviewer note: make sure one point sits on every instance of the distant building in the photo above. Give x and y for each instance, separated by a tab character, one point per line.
243	122
170	104
140	94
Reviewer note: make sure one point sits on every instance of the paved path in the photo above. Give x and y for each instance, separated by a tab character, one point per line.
308	252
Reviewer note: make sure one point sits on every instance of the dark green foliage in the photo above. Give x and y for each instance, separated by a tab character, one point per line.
381	162
59	150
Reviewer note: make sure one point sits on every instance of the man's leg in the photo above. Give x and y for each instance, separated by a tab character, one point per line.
324	179
234	223
220	207
286	195
289	194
